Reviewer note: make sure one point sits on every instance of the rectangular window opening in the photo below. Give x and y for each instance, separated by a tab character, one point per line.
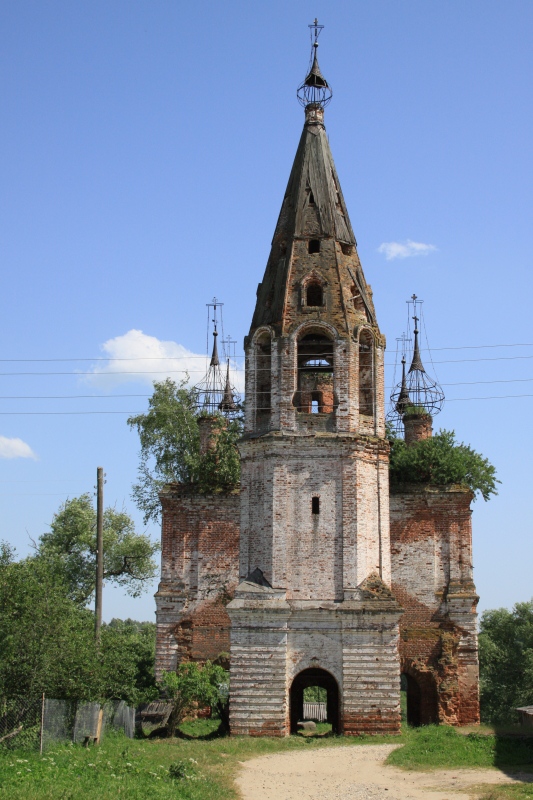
314	407
315	505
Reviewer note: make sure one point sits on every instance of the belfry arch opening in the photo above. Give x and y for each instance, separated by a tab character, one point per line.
263	377
326	690
366	374
315	367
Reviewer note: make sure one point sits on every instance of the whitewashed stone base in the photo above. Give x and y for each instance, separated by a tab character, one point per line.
273	640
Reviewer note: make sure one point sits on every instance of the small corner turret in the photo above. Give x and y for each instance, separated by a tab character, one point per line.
417	398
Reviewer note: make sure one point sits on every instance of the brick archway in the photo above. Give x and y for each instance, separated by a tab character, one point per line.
314	677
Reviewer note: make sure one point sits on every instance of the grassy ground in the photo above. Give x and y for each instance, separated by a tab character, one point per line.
135	769
523	791
202	767
436	746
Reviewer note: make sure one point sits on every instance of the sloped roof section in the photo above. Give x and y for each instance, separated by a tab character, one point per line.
314	178
313	208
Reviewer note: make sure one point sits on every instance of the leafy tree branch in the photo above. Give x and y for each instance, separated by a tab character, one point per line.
441	460
170	448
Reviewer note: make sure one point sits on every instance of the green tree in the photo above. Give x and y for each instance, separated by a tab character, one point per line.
441	460
170	448
191	685
506	662
47	641
70	549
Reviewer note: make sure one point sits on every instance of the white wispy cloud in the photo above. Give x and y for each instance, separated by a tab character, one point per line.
15	448
405	249
137	357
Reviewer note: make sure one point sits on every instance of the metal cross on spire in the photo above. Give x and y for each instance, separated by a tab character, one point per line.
315	30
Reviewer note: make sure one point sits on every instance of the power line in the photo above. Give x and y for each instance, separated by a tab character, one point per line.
55	413
185	371
71	396
113	396
182	358
77	413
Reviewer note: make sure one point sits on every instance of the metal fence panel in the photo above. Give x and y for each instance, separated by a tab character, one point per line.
58	722
86	722
20	722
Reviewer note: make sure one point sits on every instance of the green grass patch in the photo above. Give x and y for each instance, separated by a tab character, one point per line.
522	791
439	746
204	764
162	769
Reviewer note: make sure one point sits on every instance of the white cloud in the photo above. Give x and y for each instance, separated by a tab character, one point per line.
15	448
137	357
405	249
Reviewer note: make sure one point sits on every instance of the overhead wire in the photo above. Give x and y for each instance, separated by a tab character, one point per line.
203	357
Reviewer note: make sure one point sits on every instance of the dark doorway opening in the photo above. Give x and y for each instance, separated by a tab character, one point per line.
318	678
419	700
411	698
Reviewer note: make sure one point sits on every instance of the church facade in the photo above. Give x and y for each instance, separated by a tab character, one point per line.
313	572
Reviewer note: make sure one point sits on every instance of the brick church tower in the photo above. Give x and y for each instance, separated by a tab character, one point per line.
314	604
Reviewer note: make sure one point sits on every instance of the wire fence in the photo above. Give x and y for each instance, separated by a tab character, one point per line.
40	723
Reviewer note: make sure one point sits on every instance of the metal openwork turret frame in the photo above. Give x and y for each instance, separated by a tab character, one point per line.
315	90
215	392
417	391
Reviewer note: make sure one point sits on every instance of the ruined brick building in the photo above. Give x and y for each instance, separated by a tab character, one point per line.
314	572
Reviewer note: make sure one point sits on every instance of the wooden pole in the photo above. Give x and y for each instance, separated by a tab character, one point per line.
99	552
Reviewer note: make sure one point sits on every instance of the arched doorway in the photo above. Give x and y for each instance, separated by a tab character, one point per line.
314	677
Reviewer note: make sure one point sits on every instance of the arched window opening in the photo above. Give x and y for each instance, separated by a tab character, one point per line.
314	294
366	374
314	695
314	246
315	505
263	376
315	375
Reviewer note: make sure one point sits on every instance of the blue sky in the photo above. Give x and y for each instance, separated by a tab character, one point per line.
144	152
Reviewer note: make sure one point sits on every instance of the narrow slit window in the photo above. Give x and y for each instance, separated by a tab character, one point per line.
315	505
311	199
314	246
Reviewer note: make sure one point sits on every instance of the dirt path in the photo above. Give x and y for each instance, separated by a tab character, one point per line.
354	773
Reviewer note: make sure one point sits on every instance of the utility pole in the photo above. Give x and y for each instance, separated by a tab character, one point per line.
99	552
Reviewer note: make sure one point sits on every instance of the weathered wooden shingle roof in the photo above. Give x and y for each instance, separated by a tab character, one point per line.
313	172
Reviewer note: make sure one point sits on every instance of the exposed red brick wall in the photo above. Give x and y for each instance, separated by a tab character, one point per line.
199	572
431	553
